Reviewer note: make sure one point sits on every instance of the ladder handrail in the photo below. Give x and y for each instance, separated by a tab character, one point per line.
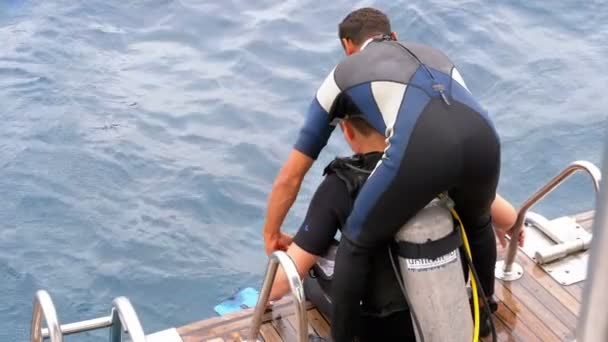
123	315
574	167
44	308
592	325
297	290
82	326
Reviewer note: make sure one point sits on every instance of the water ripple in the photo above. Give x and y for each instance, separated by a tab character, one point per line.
140	139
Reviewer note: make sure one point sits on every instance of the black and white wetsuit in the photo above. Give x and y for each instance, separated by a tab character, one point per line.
440	139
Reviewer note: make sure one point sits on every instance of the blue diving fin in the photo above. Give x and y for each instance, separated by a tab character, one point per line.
243	299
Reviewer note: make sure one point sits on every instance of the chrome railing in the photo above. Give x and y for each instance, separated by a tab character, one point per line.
593	324
82	326
123	317
508	269
44	308
297	292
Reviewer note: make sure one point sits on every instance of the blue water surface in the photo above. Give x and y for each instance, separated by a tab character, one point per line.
139	139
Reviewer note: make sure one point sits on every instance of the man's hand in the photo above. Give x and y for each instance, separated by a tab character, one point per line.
280	241
502	233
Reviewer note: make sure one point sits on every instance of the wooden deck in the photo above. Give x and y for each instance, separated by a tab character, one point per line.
533	308
279	324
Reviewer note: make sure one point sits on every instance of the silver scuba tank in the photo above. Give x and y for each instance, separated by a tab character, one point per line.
432	275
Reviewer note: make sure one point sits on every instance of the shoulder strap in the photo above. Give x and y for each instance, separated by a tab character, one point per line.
353	171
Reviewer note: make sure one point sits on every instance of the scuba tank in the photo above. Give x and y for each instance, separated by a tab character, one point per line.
433	278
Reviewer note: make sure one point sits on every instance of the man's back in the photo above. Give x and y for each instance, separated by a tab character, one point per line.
373	83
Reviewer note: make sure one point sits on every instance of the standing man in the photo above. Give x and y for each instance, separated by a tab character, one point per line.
439	139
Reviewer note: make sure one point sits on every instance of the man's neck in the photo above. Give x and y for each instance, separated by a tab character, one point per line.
369	40
364	45
373	146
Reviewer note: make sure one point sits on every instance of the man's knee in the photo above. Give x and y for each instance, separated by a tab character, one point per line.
480	231
318	295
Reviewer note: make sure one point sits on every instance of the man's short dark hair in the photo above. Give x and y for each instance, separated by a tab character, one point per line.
364	23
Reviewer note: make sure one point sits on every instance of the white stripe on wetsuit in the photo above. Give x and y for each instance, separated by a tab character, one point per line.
388	97
458	78
328	92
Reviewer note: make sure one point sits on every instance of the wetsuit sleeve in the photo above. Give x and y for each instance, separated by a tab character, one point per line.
318	127
327	211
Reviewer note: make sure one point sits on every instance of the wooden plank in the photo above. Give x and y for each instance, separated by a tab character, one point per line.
269	333
294	324
503	333
552	304
543	313
576	290
523	314
219	320
519	330
200	325
219	326
284	329
325	317
280	305
236	336
216	331
319	323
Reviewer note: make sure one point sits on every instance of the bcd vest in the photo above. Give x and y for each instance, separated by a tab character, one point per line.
383	297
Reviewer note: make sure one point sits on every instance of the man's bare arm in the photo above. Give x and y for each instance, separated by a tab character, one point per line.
503	213
304	262
284	192
503	219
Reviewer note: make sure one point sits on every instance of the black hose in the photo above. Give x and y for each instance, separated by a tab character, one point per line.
407	298
483	296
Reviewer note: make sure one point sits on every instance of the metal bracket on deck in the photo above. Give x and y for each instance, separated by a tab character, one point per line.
558	246
515	273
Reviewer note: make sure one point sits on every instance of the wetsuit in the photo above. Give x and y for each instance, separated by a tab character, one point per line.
440	139
383	309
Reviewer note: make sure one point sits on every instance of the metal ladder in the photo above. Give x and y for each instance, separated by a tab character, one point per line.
122	317
508	269
297	291
593	324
